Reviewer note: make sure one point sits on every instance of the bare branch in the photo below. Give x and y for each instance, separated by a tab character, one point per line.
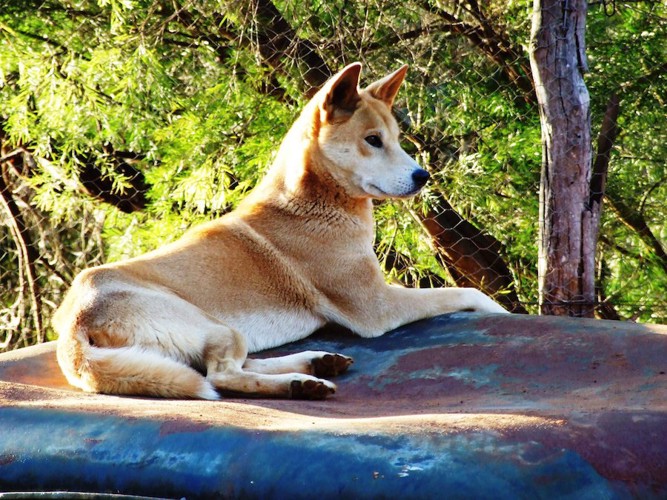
26	251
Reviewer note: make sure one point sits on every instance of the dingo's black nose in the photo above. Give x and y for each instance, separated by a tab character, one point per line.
420	176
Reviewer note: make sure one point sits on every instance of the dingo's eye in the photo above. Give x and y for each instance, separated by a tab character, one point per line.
374	140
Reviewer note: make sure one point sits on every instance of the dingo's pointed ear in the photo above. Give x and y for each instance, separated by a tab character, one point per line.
386	88
341	92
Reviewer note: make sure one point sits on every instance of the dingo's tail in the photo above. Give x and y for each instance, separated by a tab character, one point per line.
128	370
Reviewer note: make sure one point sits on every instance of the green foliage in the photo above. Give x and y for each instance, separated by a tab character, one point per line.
636	279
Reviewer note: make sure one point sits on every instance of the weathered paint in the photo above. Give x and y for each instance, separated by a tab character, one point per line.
462	405
63	450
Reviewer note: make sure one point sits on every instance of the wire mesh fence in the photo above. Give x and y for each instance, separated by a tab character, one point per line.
124	123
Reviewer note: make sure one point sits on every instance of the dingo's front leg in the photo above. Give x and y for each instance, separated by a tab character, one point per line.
398	306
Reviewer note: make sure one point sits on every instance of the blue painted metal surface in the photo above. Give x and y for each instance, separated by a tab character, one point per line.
460	406
65	450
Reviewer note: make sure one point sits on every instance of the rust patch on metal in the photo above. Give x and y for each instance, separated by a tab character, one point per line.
6	459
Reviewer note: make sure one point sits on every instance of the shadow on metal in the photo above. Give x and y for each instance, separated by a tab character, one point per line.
461	405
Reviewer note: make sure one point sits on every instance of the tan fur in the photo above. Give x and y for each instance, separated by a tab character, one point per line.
296	254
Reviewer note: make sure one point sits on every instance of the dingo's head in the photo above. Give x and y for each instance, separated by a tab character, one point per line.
357	137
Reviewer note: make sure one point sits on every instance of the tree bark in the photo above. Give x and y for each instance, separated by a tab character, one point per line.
568	224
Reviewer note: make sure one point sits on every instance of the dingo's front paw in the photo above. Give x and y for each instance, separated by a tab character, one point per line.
311	389
331	365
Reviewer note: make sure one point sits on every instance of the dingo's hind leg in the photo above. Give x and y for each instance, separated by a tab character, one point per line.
225	358
119	336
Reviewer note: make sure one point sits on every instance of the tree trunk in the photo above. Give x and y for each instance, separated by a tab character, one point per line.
471	256
568	222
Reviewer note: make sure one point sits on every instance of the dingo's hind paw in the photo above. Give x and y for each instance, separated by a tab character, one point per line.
311	389
331	365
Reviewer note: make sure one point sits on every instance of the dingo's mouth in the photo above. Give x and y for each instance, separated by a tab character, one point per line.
374	190
382	192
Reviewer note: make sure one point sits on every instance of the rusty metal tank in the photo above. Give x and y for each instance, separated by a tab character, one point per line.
458	406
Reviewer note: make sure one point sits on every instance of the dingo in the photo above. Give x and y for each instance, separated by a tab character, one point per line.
296	254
